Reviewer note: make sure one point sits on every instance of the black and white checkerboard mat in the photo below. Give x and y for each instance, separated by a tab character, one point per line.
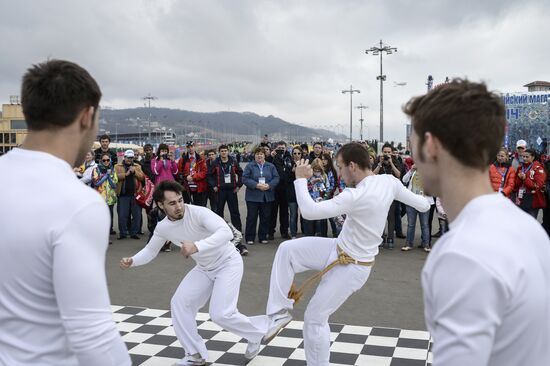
151	340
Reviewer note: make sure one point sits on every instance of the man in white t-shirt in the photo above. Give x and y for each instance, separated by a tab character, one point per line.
54	303
365	203
205	237
487	281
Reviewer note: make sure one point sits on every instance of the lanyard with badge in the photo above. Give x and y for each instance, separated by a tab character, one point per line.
261	179
192	185
522	190
226	176
503	175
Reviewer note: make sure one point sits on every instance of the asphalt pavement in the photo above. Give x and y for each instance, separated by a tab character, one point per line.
392	297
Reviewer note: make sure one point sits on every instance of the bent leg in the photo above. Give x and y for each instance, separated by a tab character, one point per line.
295	256
192	293
223	303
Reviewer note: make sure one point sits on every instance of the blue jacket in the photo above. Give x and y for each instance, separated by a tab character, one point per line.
251	177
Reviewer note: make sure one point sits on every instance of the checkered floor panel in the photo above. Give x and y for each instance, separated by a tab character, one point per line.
151	341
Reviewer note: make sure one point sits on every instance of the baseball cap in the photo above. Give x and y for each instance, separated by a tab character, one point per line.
129	153
521	143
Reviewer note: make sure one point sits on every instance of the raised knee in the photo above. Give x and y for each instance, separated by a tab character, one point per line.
284	247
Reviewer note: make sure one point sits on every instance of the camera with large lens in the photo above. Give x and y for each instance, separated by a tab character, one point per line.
386	157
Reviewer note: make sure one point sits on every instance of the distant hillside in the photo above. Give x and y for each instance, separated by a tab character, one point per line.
218	124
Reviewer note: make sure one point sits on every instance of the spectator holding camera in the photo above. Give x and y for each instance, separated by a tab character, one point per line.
388	164
283	163
163	165
530	184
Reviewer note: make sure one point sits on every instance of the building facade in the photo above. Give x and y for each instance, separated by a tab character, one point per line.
528	116
13	127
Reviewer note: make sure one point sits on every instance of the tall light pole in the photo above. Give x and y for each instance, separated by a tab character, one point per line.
351	91
379	50
361	107
149	98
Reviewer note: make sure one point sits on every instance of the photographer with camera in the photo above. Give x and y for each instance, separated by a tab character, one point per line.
283	163
388	164
163	166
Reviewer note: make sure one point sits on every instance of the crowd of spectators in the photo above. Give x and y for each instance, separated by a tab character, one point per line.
216	176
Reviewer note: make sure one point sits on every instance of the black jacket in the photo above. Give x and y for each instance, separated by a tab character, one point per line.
283	164
218	169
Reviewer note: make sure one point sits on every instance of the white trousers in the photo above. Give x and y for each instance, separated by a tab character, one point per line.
314	253
222	286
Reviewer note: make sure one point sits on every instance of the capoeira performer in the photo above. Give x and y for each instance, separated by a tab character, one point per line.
487	281
346	261
205	237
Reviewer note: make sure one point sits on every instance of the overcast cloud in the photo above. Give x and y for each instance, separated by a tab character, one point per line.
290	59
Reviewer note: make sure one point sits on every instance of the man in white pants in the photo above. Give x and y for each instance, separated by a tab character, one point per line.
366	208
487	281
54	231
205	237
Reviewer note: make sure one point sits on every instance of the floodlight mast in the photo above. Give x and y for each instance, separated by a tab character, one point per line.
375	51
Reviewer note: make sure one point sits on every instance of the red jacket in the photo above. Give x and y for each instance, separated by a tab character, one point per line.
495	174
197	170
535	180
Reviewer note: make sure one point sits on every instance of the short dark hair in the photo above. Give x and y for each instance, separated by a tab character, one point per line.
468	119
281	143
223	147
387	144
305	148
213	151
54	92
357	153
106	137
259	150
318	143
147	146
167	185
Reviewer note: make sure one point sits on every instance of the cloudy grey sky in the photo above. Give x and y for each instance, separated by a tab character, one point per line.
287	58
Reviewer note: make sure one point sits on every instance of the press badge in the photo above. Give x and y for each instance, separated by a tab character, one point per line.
227	178
521	192
261	180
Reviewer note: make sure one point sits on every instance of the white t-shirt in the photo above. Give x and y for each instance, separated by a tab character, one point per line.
366	208
54	304
207	230
487	288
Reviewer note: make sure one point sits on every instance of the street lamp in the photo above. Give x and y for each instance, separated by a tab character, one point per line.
350	91
375	51
149	98
361	107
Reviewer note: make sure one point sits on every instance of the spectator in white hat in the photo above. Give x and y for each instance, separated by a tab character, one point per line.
129	173
521	145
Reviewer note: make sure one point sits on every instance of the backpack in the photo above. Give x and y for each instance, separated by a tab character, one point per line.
144	193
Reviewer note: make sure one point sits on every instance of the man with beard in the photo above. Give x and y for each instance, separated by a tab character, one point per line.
54	303
205	237
487	281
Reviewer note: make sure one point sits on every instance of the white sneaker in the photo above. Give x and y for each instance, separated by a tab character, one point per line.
191	360
250	242
252	350
277	322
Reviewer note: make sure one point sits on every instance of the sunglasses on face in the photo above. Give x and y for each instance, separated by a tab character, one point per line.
105	160
296	153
